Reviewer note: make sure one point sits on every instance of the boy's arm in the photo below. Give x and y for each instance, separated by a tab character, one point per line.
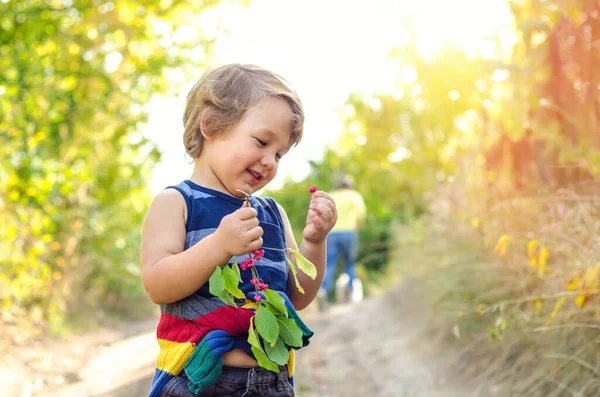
314	253
168	272
320	219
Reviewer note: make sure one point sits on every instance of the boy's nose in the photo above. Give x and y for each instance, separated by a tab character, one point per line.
268	162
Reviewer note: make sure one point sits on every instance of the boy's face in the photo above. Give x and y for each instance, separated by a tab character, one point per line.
246	156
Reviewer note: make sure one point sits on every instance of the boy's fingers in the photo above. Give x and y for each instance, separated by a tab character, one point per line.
256	244
255	233
250	223
320	194
247	213
322	209
324	201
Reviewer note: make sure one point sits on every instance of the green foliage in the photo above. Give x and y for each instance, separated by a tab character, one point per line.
73	162
289	332
270	326
304	264
536	295
266	324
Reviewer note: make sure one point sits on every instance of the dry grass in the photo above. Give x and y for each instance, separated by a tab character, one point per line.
498	309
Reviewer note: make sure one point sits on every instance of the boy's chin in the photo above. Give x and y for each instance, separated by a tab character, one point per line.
237	191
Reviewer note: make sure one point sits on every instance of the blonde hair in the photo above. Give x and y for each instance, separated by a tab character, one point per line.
223	95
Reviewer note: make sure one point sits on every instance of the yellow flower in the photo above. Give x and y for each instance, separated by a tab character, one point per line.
559	302
589	280
501	245
544	255
537	304
532	252
476	222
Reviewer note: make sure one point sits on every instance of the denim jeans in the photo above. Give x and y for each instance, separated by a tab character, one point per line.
344	244
236	382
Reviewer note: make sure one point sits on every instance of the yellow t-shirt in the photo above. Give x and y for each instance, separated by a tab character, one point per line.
351	209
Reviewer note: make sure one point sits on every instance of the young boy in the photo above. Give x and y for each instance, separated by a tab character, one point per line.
240	120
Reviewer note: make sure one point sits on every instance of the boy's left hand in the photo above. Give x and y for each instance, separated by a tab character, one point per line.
322	215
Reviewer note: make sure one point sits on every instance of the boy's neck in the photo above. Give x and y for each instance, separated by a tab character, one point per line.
203	176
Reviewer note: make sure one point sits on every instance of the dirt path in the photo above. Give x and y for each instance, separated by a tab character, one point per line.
371	349
365	349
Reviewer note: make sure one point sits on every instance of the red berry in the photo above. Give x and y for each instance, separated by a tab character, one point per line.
257	298
313	189
254	280
257	255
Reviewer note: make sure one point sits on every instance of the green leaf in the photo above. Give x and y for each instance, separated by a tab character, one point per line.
252	337
266	324
290	332
235	267
276	300
231	282
227	298
278	353
216	282
263	360
273	309
304	264
294	271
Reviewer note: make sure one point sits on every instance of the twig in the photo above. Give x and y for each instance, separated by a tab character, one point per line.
555	327
547	377
563	386
578	360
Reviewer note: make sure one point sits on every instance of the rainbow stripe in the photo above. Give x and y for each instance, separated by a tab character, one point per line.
196	344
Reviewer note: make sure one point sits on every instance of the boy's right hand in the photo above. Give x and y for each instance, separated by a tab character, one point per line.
239	233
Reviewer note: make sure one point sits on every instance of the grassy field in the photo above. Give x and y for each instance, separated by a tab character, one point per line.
514	289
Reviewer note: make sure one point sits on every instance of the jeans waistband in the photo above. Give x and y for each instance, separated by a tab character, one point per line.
252	375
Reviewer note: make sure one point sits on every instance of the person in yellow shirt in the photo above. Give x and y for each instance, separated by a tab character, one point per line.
342	241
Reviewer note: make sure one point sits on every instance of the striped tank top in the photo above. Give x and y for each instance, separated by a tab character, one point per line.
183	324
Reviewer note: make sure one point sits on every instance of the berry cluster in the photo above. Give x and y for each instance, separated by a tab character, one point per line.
248	263
257	255
259	284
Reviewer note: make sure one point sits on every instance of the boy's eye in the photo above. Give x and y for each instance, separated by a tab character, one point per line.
278	156
261	142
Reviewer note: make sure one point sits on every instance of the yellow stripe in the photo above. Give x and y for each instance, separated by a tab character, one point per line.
173	356
292	362
250	305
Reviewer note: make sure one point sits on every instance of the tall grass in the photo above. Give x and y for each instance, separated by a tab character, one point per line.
528	324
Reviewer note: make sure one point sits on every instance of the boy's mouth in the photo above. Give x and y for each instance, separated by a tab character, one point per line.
256	176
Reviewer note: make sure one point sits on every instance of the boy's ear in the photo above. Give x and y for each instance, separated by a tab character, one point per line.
205	120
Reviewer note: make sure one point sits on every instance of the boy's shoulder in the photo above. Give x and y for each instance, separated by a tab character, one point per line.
168	195
190	190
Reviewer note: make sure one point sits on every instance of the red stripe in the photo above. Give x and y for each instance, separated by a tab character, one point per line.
232	320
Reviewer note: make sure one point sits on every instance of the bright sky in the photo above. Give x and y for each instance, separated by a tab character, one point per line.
326	49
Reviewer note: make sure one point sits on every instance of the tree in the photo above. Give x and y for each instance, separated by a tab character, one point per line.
73	162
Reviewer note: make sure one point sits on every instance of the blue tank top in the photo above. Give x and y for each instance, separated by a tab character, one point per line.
205	209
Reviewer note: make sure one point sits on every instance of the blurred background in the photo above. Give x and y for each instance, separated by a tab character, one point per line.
470	127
